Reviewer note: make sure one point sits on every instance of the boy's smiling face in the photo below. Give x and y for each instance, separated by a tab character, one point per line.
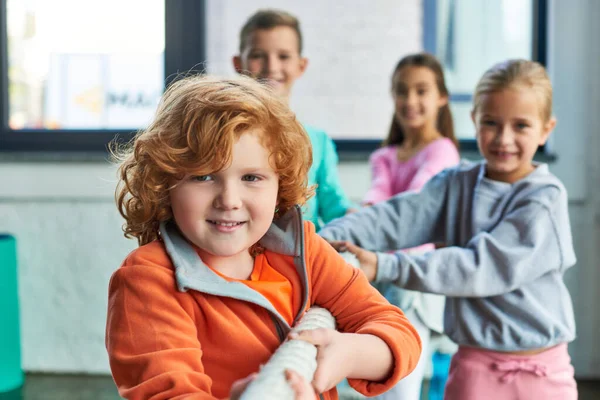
509	128
225	212
273	56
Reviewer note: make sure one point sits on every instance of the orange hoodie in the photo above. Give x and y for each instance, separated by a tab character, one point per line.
178	330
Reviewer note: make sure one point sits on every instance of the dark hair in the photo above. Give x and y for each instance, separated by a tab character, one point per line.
444	119
269	19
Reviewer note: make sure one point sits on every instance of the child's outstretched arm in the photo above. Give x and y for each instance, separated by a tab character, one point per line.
532	240
376	345
403	221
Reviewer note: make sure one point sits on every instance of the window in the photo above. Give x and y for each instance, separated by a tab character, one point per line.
96	69
118	54
352	48
78	78
472	35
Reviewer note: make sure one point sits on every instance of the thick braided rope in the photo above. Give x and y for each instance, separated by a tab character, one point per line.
297	355
350	259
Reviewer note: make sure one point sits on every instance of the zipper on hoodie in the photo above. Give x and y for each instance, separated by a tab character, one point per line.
300	229
279	329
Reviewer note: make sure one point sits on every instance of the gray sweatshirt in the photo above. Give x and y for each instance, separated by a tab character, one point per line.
508	247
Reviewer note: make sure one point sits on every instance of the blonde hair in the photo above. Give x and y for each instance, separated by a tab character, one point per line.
197	122
269	19
517	74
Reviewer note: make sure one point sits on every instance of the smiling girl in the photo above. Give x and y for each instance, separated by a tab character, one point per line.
505	222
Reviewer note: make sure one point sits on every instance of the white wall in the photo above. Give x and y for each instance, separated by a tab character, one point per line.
69	239
352	48
574	65
68	243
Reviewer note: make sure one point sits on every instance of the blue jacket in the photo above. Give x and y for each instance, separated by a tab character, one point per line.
329	201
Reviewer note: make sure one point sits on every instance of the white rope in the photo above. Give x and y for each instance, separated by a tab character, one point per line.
350	259
296	355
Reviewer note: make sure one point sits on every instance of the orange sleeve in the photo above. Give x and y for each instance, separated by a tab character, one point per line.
359	308
150	336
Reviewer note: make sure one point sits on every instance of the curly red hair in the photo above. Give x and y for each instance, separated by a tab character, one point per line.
196	124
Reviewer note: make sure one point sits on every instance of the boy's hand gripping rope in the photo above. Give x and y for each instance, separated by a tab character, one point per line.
294	354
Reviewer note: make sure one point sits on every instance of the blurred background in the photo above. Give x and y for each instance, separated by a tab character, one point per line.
77	73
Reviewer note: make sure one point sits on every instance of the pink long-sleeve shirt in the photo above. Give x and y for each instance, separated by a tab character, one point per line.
391	176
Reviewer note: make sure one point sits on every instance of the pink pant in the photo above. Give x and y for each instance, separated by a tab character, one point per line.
477	374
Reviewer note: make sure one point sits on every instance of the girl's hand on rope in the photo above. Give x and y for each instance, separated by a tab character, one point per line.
334	361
